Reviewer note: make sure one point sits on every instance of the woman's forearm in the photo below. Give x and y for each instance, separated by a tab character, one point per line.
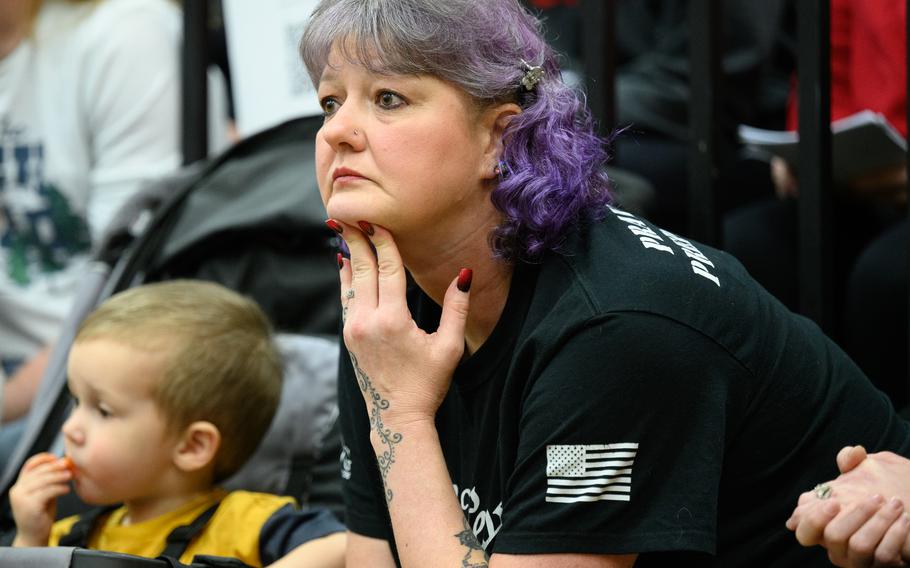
430	528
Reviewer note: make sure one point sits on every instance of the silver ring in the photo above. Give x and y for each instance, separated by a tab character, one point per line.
822	491
349	294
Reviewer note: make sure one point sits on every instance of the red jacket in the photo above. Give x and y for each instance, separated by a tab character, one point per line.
868	61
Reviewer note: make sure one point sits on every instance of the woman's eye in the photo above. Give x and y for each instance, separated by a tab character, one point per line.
388	100
329	106
103	411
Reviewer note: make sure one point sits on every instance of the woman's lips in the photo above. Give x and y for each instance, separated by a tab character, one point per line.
346	175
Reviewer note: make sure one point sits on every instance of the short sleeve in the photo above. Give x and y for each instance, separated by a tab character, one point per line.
290	527
621	442
130	98
366	512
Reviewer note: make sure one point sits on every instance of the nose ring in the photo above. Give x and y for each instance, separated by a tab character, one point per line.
355	132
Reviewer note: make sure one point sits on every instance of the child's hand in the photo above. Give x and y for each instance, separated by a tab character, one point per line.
33	498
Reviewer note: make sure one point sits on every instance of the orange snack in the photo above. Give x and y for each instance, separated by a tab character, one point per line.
68	461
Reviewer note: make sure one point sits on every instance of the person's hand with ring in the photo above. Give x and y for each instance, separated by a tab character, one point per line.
859	517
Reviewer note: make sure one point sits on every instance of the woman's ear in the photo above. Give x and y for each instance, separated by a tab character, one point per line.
494	121
197	447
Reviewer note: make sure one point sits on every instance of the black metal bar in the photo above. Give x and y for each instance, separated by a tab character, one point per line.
816	272
194	102
705	85
598	30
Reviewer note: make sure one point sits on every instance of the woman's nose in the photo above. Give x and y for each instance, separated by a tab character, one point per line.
345	129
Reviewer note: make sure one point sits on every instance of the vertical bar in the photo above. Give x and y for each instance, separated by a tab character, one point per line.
815	212
599	38
705	85
907	268
194	102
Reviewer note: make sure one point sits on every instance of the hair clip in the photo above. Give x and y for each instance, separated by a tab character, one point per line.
533	75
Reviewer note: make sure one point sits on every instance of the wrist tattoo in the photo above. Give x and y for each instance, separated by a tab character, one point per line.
475	556
389	439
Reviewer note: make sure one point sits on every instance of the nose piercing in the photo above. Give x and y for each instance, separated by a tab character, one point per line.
355	132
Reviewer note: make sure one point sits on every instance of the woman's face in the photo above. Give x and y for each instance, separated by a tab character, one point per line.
406	152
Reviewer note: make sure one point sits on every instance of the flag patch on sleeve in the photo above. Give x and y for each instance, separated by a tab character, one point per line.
596	472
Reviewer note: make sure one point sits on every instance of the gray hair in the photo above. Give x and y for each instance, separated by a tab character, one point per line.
464	42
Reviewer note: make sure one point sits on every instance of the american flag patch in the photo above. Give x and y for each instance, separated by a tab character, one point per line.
598	472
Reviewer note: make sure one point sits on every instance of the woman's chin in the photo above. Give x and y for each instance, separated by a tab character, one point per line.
350	214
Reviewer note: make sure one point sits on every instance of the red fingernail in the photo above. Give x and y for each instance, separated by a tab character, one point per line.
464	279
340	261
366	228
334	225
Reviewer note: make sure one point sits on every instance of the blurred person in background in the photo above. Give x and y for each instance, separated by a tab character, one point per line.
89	110
871	232
653	95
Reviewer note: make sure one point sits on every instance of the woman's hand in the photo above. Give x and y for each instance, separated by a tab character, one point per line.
863	523
33	498
404	372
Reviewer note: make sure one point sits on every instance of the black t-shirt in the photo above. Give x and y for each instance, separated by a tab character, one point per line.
640	393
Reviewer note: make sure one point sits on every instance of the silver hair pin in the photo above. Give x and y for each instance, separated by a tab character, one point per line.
533	75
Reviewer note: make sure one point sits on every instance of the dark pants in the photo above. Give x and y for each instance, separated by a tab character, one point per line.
875	317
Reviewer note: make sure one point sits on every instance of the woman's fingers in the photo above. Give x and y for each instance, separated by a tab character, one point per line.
391	279
455	311
375	271
838	532
849	457
363	268
811	522
862	547
362	265
888	552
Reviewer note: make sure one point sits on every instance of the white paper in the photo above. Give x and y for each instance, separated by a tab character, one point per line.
860	143
270	83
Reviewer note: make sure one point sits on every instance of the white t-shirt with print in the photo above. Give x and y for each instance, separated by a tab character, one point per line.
89	111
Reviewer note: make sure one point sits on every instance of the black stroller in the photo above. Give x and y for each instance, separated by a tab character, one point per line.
251	220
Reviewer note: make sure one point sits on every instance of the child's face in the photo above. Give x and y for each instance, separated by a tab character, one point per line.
116	435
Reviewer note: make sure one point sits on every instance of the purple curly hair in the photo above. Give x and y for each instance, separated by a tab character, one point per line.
553	162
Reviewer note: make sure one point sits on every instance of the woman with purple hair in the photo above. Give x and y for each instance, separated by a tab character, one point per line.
589	390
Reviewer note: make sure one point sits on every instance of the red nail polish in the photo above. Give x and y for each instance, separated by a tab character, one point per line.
464	279
334	225
340	261
366	228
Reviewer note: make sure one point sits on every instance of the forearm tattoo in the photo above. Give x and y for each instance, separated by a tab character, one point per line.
475	556
389	439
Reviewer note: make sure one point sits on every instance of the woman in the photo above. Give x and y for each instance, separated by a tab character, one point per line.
592	391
